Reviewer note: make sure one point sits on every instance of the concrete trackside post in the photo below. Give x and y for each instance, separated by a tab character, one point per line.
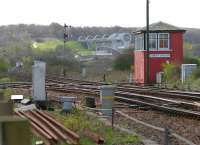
107	99
38	84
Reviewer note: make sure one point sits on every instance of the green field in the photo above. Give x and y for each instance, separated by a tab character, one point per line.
47	45
78	48
51	45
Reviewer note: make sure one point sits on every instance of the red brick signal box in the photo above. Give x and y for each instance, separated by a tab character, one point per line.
165	45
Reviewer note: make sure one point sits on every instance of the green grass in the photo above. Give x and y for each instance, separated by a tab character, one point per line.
47	45
78	48
78	121
34	138
51	45
5	79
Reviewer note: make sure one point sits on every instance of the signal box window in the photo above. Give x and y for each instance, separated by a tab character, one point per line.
163	41
153	41
139	42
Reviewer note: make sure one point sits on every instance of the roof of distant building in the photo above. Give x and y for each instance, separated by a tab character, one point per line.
118	35
160	26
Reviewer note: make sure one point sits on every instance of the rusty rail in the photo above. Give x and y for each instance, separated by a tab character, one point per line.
49	128
70	134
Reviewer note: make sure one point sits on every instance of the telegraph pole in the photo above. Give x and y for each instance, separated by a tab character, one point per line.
147	45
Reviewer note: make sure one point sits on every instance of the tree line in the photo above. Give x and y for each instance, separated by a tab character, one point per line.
23	32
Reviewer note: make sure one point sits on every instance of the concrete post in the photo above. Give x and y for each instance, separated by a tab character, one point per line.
38	78
107	98
83	73
130	77
38	84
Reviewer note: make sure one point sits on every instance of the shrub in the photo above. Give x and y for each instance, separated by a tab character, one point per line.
4	65
171	72
7	93
196	73
195	84
192	60
5	79
124	61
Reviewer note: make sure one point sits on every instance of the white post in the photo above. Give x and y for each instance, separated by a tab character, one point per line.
38	81
83	72
130	77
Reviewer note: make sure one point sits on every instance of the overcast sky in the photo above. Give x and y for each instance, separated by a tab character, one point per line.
128	13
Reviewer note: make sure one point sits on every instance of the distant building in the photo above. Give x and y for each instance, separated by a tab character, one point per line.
19	64
108	44
120	41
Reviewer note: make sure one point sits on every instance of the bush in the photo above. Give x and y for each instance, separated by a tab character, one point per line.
192	60
195	84
124	61
7	93
195	74
171	72
4	65
5	79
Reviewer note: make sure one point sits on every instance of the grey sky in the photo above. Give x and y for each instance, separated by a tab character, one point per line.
128	13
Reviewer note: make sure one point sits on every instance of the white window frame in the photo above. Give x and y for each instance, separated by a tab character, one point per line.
139	45
156	48
163	49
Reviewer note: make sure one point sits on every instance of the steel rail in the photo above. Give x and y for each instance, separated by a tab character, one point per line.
49	128
77	88
71	135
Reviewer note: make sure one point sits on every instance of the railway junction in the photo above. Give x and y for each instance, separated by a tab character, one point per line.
61	110
147	109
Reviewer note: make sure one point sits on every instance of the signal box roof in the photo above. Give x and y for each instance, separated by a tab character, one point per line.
161	27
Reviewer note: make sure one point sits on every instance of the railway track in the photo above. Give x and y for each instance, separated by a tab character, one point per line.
155	94
172	101
51	131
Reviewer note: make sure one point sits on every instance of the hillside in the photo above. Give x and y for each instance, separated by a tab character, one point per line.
51	45
23	32
47	37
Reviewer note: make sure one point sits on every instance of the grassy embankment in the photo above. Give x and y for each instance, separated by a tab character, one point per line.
78	121
51	45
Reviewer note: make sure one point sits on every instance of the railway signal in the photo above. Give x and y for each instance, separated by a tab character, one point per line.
66	35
